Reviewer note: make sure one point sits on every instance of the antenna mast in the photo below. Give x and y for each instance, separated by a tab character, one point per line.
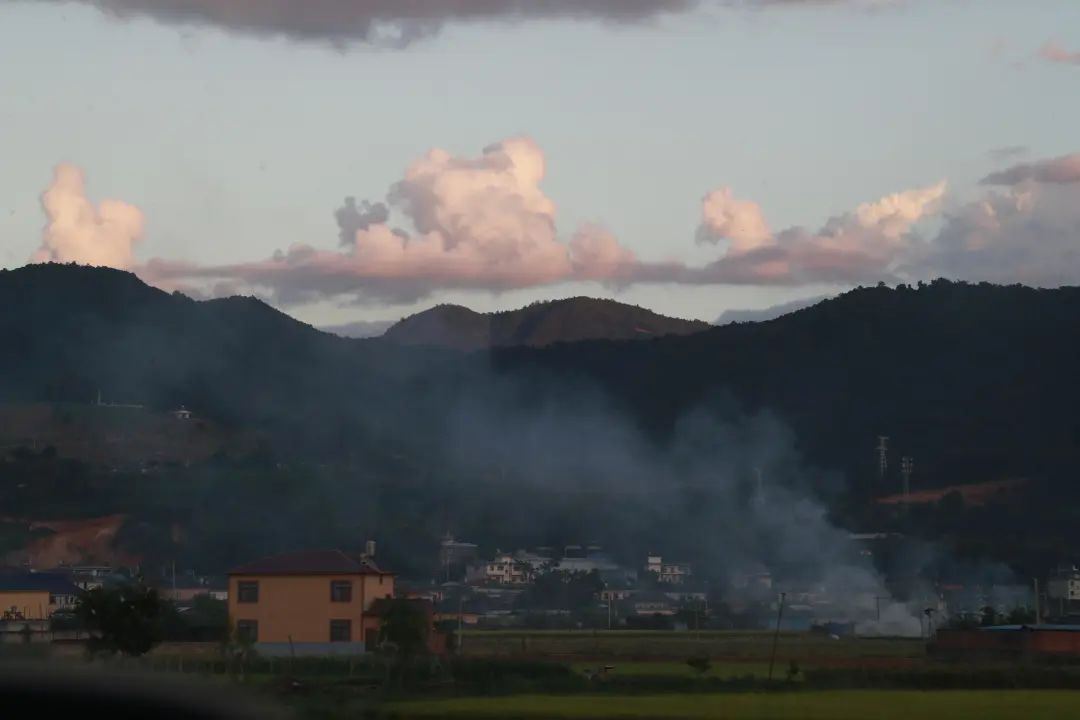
907	466
883	459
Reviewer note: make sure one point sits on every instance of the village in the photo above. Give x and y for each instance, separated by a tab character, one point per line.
329	602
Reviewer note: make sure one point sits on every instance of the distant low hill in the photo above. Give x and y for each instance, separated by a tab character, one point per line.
359	328
537	325
769	313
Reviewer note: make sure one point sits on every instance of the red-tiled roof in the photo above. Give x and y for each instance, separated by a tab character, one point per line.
310	562
973	494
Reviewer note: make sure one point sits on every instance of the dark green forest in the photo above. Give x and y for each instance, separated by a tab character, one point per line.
632	444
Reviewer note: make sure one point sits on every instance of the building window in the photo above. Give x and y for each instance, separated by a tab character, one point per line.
247	630
341	631
247	591
341	591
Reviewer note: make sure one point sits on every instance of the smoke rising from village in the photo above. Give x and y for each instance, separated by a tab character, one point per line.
727	491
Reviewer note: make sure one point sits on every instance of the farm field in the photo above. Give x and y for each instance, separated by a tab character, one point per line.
675	668
840	705
724	646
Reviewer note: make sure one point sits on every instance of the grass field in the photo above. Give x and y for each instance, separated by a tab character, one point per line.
847	705
751	646
674	668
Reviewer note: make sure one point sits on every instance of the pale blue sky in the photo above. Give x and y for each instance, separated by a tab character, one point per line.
234	147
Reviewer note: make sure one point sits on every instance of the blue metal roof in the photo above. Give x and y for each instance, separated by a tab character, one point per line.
55	583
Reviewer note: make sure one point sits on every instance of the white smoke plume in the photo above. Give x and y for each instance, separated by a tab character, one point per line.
78	231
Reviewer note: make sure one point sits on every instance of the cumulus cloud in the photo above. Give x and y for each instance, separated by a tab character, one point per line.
352	218
1028	233
78	231
724	217
484	223
1053	52
476	222
381	22
1062	170
862	245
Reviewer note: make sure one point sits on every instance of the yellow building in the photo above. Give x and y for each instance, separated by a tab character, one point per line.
315	602
35	596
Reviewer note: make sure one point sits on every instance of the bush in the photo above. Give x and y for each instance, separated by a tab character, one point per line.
701	664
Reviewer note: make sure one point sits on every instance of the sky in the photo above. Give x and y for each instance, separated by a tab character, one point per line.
691	157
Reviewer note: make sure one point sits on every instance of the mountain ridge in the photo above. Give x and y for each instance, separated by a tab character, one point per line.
973	381
537	325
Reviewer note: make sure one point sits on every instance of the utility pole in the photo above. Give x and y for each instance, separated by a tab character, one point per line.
776	635
1038	613
929	612
460	629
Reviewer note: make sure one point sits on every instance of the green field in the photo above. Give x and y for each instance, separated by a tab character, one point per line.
666	645
847	705
674	668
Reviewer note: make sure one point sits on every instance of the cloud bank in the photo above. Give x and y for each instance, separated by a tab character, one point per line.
485	223
473	222
78	231
1062	170
862	245
400	23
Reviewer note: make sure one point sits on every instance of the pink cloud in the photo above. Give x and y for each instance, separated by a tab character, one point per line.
861	245
78	231
484	223
476	222
1053	52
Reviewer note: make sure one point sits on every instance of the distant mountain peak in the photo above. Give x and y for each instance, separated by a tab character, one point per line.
538	324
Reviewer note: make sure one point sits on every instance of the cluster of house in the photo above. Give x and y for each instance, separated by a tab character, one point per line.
476	591
327	602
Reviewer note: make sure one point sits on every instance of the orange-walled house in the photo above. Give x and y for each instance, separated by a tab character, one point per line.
314	602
